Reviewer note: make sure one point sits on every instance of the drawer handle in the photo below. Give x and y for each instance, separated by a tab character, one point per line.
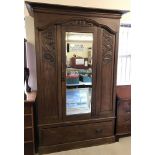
99	130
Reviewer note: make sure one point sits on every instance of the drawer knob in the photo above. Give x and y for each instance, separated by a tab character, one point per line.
99	130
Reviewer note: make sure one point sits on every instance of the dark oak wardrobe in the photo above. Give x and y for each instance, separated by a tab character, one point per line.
76	53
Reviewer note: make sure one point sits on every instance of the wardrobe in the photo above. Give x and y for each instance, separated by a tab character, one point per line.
76	55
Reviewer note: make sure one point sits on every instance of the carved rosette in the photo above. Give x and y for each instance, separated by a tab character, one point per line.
48	45
107	47
79	22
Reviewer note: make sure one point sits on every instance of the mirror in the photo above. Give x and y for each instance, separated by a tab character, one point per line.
78	72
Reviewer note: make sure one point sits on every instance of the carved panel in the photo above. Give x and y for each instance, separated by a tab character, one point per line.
106	72
48	106
79	22
48	44
107	45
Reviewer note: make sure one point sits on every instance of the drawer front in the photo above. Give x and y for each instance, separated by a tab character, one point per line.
59	135
124	128
28	134
27	121
28	149
123	107
27	109
124	118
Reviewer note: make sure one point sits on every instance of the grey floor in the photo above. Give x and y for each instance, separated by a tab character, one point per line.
123	147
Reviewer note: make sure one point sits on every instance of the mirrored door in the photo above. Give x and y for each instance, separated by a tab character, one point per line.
79	54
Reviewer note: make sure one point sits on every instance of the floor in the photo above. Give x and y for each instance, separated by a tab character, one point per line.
123	147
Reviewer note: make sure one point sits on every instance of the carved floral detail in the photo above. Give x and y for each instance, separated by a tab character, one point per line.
107	45
48	45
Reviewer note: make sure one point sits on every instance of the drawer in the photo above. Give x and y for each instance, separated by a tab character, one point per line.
27	109
124	118
27	120
28	134
124	128
59	135
124	106
28	149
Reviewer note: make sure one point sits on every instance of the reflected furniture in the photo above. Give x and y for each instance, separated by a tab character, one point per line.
75	65
78	114
123	102
29	147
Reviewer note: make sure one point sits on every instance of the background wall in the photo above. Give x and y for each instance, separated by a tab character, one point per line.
108	4
29	23
83	54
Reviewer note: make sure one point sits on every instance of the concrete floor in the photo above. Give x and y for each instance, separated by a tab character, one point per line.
123	147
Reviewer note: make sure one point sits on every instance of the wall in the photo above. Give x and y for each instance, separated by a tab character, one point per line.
83	54
107	4
31	61
29	22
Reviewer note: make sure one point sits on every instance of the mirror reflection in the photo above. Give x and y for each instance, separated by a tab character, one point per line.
78	72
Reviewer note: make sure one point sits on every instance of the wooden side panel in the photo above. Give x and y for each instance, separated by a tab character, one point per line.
123	122
48	107
28	148
105	72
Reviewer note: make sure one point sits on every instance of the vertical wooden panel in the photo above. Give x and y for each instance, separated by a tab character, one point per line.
105	71
48	107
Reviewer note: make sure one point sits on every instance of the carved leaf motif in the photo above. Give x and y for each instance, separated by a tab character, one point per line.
107	45
49	57
48	44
